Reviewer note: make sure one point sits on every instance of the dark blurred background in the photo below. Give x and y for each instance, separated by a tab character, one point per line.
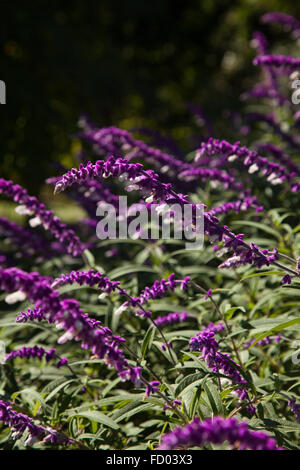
124	63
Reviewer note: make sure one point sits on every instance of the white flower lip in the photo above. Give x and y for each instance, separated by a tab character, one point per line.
15	297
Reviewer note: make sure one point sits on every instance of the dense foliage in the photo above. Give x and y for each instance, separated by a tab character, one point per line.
140	344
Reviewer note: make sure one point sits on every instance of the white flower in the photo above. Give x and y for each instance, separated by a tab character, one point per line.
149	199
198	155
65	337
271	176
276	181
253	168
17	296
232	158
102	296
35	222
164	169
120	310
125	147
23	210
161	208
294	75
132	187
137	179
123	176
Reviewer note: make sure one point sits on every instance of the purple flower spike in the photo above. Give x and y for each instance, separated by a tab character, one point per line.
219	362
147	181
282	18
158	290
19	423
90	278
216	431
278	61
30	205
171	319
68	315
37	352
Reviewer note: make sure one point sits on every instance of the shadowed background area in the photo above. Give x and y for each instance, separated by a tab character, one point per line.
126	64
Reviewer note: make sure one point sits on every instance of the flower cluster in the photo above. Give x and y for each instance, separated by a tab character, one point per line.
206	343
90	278
265	341
148	182
214	327
295	408
280	156
159	289
236	206
250	158
37	352
30	205
282	18
211	174
116	141
277	61
67	314
28	242
172	318
216	431
20	422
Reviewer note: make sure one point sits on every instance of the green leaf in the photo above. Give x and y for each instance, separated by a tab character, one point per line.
260	226
98	417
58	388
130	410
232	310
277	328
189	382
89	258
264	273
148	340
32	397
214	398
130	269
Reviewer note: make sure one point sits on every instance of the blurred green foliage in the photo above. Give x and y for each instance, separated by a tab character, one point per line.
128	64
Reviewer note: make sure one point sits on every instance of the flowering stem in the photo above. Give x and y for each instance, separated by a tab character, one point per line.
292	260
169	402
145	382
222	318
234	412
129	350
153	322
90	263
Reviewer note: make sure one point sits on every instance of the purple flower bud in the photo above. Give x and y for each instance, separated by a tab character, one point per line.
152	387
